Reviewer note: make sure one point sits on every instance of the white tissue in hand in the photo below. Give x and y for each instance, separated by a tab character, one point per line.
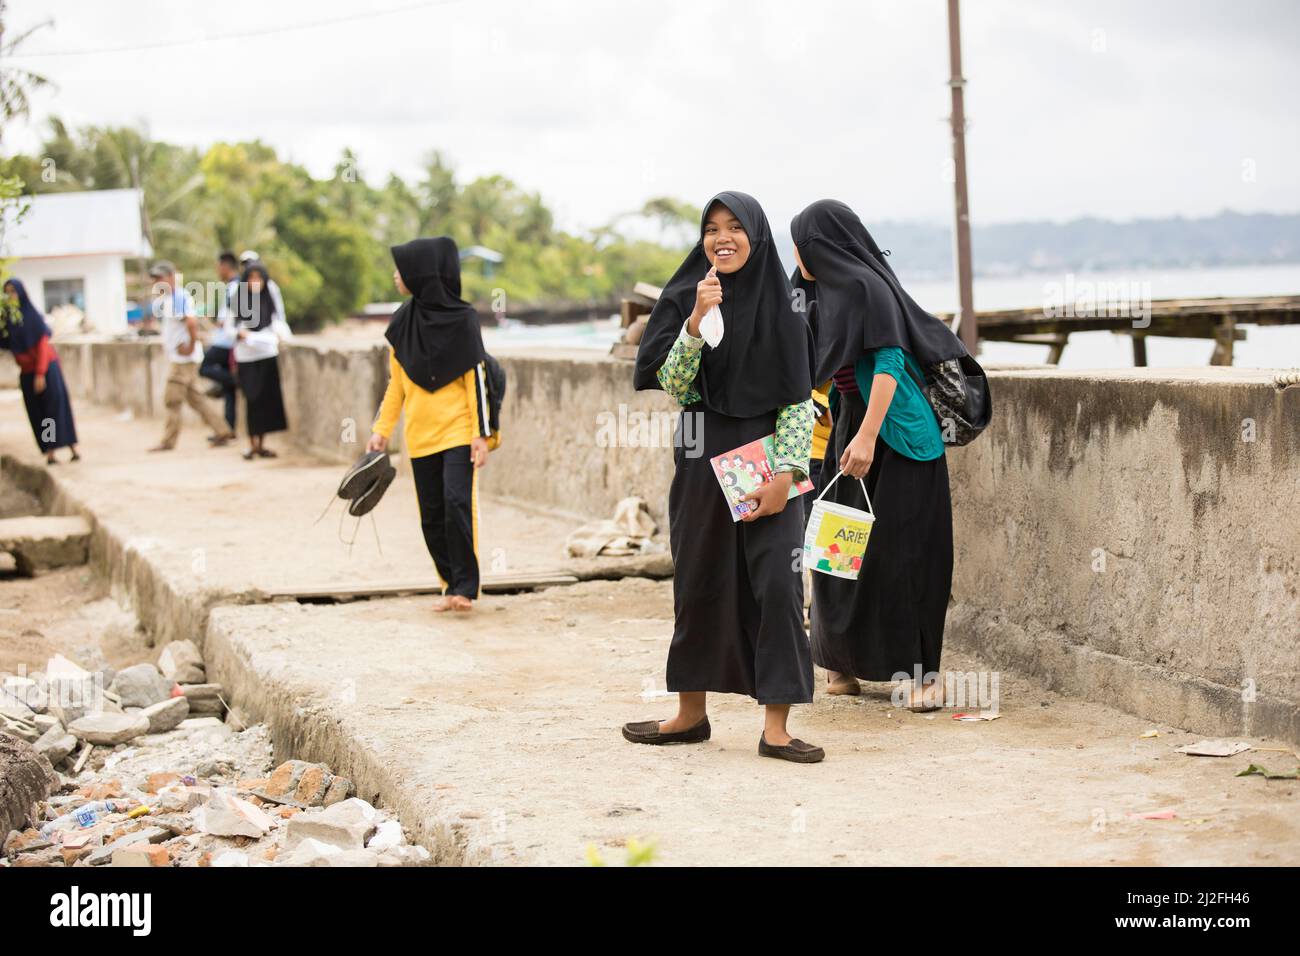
711	326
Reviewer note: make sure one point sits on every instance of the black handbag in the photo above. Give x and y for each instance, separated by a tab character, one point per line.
958	391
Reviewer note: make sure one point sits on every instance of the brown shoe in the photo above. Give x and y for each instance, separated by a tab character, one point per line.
647	732
796	751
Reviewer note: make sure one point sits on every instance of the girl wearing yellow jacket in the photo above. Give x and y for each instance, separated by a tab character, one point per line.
437	383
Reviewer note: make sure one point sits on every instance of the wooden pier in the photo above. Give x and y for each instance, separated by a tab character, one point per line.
1219	320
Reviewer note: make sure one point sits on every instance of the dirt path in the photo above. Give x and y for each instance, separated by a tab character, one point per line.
506	726
501	728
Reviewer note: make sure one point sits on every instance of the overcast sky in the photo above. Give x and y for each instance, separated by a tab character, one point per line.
1112	109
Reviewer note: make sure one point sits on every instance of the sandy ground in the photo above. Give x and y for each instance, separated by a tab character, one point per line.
506	722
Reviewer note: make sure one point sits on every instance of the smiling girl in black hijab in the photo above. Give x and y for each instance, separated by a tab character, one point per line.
874	340
437	384
737	587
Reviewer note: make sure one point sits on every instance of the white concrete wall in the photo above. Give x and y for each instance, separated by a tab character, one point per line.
105	285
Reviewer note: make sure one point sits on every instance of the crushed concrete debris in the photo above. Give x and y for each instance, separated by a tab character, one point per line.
147	779
109	729
140	686
181	663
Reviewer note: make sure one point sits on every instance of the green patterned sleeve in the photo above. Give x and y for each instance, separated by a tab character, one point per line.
678	372
794	433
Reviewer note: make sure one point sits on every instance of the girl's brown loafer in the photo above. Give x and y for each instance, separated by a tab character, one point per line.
647	732
796	751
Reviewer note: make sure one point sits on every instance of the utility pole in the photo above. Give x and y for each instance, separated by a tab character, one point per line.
961	227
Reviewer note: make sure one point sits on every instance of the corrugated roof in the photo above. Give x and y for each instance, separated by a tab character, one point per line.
482	252
96	222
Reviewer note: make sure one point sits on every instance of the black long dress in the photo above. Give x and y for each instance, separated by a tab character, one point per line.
259	380
737	588
890	621
50	411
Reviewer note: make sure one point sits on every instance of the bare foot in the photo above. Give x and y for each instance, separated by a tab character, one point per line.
842	684
927	697
442	604
461	603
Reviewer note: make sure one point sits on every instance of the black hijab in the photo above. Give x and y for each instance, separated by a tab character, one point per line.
435	334
763	360
859	302
255	310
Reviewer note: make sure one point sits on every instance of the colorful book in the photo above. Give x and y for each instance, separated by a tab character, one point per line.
746	469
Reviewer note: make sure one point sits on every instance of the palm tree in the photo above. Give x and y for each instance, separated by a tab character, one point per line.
16	84
437	192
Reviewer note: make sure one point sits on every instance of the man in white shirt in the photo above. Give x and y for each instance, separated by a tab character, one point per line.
174	309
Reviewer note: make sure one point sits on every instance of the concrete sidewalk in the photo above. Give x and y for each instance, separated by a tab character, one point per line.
495	736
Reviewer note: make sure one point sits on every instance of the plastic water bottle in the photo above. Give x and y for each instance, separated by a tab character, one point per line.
86	815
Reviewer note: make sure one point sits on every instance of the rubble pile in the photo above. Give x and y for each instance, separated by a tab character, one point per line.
150	774
65	710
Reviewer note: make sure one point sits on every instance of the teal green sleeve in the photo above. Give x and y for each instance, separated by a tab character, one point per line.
793	441
910	426
677	374
890	362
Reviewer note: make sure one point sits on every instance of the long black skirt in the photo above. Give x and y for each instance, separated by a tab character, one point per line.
50	412
737	586
890	620
260	383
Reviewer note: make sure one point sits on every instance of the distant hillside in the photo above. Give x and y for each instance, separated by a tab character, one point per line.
1228	239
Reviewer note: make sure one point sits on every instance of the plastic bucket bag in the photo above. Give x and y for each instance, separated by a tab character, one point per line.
836	539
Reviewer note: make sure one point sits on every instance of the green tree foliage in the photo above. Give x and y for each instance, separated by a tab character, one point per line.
326	241
12	210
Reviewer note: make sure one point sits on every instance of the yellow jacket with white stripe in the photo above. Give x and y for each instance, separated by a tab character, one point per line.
438	420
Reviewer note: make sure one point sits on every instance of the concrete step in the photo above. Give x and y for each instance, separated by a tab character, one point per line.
41	542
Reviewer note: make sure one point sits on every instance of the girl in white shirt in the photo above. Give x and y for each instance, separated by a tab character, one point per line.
257	366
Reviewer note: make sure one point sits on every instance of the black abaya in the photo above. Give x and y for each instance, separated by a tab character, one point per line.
890	620
260	382
50	411
737	586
